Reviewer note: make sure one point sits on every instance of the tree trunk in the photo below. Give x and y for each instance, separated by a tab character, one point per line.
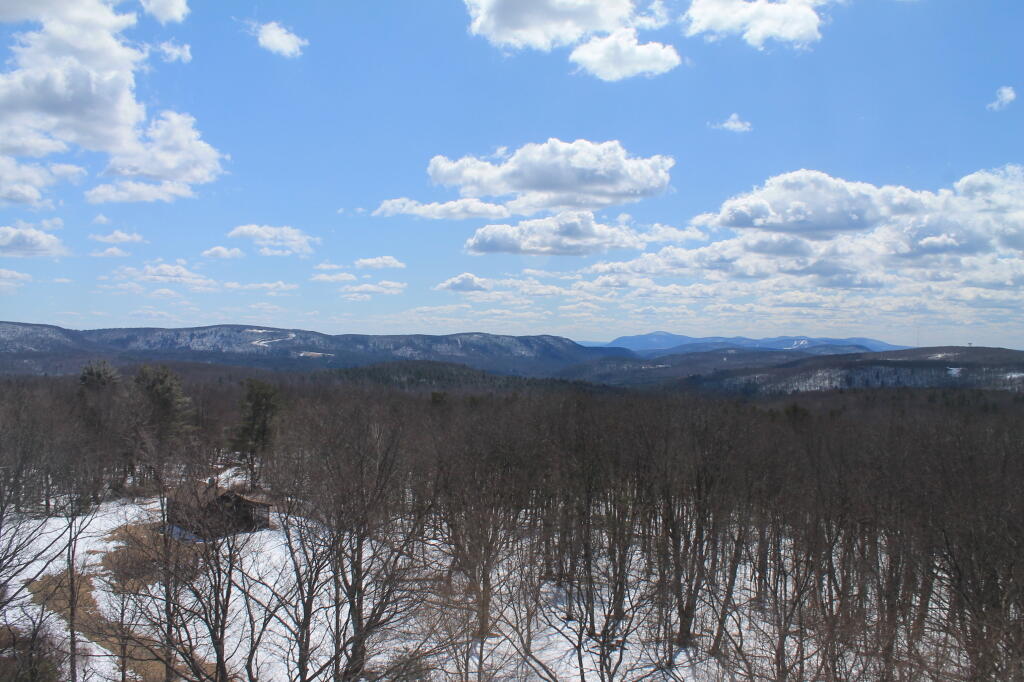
730	586
72	604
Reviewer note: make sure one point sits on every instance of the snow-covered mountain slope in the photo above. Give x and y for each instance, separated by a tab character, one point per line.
16	337
292	348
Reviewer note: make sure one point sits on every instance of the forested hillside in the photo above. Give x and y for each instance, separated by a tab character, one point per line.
528	532
46	349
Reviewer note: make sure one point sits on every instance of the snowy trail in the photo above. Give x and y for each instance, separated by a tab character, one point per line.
266	342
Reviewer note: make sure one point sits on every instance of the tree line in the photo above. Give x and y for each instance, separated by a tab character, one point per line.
526	533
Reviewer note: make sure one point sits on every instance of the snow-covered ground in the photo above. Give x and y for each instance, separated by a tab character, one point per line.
265	577
537	630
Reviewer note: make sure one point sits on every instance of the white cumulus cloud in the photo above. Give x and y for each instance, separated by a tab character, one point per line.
459	209
112	252
544	24
24	183
734	124
171	151
556	176
22	242
277	241
275	38
176	52
118	237
71	82
808	229
603	31
50	224
794	22
819	206
166	10
167	273
379	262
620	55
333	277
361	292
270	287
131	190
222	252
465	282
667	233
1004	97
572	233
11	280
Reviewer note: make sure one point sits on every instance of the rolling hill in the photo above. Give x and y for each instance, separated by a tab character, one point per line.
772	366
664	343
46	349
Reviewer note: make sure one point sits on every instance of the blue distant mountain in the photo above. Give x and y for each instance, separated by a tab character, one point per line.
665	343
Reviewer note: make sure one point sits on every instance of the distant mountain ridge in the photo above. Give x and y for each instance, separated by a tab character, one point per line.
937	367
665	343
39	348
777	365
753	371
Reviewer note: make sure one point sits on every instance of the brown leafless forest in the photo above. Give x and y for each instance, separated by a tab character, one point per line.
521	532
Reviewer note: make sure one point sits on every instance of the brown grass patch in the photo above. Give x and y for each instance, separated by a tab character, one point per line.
130	567
52	592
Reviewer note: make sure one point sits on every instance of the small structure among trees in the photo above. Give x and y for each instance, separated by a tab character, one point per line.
209	511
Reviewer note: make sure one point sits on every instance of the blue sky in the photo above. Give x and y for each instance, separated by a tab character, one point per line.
587	168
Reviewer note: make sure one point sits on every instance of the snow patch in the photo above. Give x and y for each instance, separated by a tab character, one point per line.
266	342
